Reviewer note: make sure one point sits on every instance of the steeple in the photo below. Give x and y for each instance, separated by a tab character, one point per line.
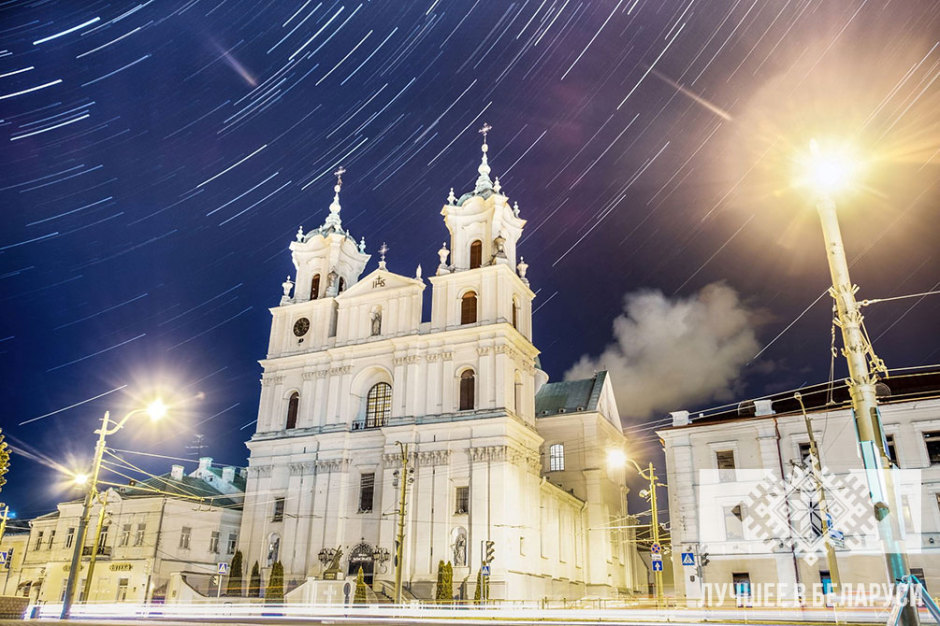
333	221
483	180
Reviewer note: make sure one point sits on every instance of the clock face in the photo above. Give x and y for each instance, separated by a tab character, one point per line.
301	326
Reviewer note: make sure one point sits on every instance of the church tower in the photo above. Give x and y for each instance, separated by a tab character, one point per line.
354	380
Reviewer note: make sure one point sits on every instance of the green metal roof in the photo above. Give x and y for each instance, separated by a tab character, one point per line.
569	396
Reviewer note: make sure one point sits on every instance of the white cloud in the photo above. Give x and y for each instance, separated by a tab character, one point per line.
670	353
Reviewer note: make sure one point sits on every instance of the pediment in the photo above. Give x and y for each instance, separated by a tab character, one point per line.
381	282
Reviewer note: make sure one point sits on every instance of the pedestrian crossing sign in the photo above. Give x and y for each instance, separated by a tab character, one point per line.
3	557
688	559
223	568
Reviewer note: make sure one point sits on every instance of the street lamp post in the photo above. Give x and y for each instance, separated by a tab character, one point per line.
618	458
829	174
156	410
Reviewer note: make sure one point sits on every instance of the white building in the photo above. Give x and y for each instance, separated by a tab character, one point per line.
170	523
711	499
495	453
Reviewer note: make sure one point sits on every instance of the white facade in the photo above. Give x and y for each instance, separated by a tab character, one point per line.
776	440
353	370
146	536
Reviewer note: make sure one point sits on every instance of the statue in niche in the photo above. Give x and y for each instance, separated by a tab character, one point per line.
460	550
376	321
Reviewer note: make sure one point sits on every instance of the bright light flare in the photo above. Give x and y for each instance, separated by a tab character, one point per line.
80	479
157	410
616	458
829	169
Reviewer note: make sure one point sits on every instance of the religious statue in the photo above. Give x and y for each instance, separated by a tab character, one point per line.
460	551
376	321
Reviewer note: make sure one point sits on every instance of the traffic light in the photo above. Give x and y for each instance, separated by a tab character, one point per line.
704	559
4	461
489	551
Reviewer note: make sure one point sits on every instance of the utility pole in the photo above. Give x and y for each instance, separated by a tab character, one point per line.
861	384
657	574
83	520
86	594
403	479
834	577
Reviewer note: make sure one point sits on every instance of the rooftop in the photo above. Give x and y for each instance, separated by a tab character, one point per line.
896	387
569	396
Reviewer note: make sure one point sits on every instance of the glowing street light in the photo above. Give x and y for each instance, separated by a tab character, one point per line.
829	171
617	458
156	410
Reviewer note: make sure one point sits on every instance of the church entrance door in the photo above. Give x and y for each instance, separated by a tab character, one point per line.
361	556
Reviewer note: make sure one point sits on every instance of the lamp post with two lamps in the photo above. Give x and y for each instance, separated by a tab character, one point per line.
617	458
827	172
157	410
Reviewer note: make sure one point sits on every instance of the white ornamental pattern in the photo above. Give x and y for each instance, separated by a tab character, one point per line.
787	512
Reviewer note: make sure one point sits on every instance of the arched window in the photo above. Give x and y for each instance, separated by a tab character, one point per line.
342	284
468	308
517	395
466	390
476	254
515	313
292	406
378	405
556	457
315	287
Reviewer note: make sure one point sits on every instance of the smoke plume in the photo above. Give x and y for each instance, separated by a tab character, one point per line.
667	354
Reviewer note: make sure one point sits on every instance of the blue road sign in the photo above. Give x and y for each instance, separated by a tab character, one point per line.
485	570
657	566
223	568
688	559
4	556
656	548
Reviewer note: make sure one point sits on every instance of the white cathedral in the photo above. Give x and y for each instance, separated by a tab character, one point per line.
353	376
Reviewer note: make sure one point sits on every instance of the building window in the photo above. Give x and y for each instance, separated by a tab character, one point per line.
214	542
462	505
725	459
467	382
292	405
556	457
515	313
315	287
139	536
69	537
890	447
734	522
51	539
932	441
278	510
517	395
103	539
232	543
378	405
476	254
125	535
39	536
804	453
742	584
468	308
185	535
342	288
366	492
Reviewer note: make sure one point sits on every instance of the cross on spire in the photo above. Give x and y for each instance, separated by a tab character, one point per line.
382	251
339	174
486	128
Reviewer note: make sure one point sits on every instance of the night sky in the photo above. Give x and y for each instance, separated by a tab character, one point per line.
157	159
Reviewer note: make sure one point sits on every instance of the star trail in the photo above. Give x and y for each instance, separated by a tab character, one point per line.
158	158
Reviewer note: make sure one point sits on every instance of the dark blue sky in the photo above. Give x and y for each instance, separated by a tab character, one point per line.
157	159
